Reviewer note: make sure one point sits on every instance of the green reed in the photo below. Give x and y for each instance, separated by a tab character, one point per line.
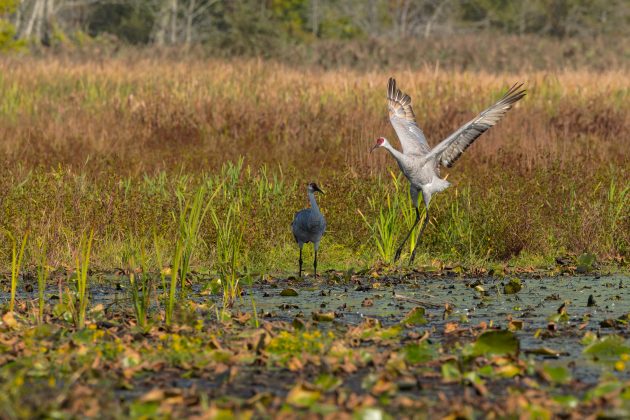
190	218
229	248
42	277
16	264
142	287
81	299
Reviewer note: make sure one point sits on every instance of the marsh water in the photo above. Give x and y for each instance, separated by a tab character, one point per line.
471	301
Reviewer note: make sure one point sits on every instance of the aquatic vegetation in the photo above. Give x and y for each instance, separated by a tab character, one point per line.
207	162
78	301
141	285
42	277
16	264
190	218
229	248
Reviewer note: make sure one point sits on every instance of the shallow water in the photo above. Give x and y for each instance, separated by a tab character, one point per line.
534	304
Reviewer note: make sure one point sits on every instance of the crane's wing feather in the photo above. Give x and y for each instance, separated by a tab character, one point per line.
450	149
403	120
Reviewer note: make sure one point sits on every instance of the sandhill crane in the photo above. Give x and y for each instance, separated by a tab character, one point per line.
309	225
418	162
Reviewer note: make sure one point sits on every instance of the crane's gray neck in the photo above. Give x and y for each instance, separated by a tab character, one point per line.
395	153
311	198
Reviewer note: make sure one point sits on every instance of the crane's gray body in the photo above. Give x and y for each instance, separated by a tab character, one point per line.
309	225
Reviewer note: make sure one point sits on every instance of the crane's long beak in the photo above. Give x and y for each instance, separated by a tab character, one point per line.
318	190
372	149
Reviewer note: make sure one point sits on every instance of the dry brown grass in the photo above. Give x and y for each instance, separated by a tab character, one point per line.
542	173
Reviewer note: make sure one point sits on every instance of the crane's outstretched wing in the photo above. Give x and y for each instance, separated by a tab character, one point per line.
404	121
450	149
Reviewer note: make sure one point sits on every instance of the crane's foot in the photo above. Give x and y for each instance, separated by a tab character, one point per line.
397	256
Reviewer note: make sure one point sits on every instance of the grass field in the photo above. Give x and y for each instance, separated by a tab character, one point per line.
108	145
149	269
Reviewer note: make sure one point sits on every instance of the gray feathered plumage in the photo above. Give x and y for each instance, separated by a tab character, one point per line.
309	225
418	161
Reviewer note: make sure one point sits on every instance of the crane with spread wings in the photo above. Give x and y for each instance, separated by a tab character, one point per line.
419	162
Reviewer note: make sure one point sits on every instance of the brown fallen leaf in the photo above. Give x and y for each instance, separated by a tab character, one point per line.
450	327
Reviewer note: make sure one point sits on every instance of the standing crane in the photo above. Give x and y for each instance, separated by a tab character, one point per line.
309	225
418	162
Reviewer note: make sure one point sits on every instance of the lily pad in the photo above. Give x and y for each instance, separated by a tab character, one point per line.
323	316
608	349
419	353
289	292
556	374
497	342
513	286
415	317
301	397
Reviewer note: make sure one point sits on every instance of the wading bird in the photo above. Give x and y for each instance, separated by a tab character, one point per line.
309	225
419	162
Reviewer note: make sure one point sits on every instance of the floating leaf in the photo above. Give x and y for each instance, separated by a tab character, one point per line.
496	342
289	292
568	401
604	389
513	286
323	316
419	353
545	351
607	350
515	325
450	372
556	374
301	397
327	382
415	317
369	414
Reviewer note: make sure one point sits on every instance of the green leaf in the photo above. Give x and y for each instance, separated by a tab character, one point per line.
608	349
497	342
327	382
301	397
415	317
323	316
568	401
289	292
450	372
556	374
603	389
419	353
513	286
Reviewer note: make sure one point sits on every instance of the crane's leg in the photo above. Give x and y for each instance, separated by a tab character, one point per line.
424	224
399	250
300	271
315	260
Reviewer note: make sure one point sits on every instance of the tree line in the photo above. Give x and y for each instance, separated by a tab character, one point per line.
255	26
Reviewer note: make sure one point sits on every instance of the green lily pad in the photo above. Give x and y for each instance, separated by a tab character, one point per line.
608	349
513	286
419	353
568	401
496	342
323	316
415	317
301	397
289	292
556	374
327	382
